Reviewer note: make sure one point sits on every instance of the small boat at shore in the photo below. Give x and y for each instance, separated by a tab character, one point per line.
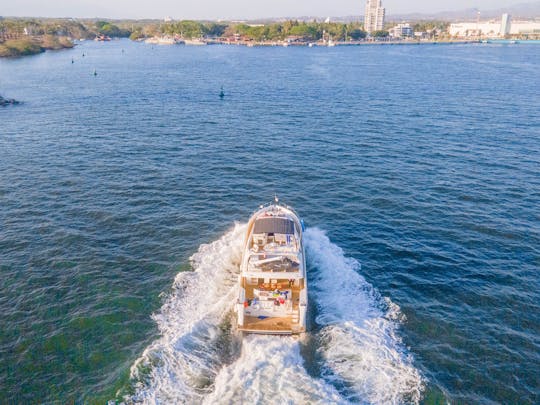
164	40
195	42
272	282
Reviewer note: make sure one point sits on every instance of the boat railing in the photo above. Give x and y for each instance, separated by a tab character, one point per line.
288	207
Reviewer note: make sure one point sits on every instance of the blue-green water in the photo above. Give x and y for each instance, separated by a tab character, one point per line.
421	163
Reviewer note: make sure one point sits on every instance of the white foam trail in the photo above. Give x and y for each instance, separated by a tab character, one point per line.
181	365
363	355
270	370
198	360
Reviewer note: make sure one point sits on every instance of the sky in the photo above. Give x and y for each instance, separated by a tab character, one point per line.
229	9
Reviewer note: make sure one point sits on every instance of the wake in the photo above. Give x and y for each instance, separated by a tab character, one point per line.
200	359
361	349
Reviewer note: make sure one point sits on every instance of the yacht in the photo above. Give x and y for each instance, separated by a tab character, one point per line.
102	38
273	295
195	42
164	40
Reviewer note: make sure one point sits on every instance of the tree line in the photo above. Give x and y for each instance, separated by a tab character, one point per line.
76	29
86	28
266	32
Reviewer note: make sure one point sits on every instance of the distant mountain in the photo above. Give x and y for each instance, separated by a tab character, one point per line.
522	10
517	11
342	19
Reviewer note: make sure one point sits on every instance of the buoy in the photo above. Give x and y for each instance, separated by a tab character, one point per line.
95	72
72	61
221	93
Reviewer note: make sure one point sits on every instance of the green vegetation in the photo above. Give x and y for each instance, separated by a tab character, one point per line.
429	26
111	30
357	34
20	47
31	46
135	35
268	32
20	36
55	42
16	27
380	34
187	29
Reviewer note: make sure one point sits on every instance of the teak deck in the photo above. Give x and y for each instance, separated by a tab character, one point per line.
272	324
277	324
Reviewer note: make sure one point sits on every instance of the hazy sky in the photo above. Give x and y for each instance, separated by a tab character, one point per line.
227	9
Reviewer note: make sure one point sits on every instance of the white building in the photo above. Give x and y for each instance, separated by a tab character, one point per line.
475	29
401	30
374	16
494	28
505	25
525	28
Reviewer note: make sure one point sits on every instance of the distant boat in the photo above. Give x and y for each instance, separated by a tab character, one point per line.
102	37
195	42
331	43
165	40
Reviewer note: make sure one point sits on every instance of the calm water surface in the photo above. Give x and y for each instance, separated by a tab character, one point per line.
420	162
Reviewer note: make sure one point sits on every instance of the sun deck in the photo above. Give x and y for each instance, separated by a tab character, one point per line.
262	315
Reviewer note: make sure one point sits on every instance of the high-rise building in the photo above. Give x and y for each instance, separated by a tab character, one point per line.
505	24
374	16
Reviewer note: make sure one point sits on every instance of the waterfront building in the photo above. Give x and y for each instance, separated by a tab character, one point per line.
403	30
495	29
374	16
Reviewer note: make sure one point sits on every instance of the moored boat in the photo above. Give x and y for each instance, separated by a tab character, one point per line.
272	283
195	42
164	40
102	38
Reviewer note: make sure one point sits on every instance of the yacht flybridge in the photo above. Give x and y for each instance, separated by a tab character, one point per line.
272	283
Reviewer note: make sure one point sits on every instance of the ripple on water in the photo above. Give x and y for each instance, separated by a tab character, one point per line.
428	176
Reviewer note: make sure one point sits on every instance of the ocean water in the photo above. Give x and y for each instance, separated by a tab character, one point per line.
124	197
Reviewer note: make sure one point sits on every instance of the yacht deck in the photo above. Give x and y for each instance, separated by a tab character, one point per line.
273	324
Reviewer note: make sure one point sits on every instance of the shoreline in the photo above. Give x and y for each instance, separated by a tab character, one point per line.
281	43
337	43
14	48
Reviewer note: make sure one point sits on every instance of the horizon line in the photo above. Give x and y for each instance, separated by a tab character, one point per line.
234	19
